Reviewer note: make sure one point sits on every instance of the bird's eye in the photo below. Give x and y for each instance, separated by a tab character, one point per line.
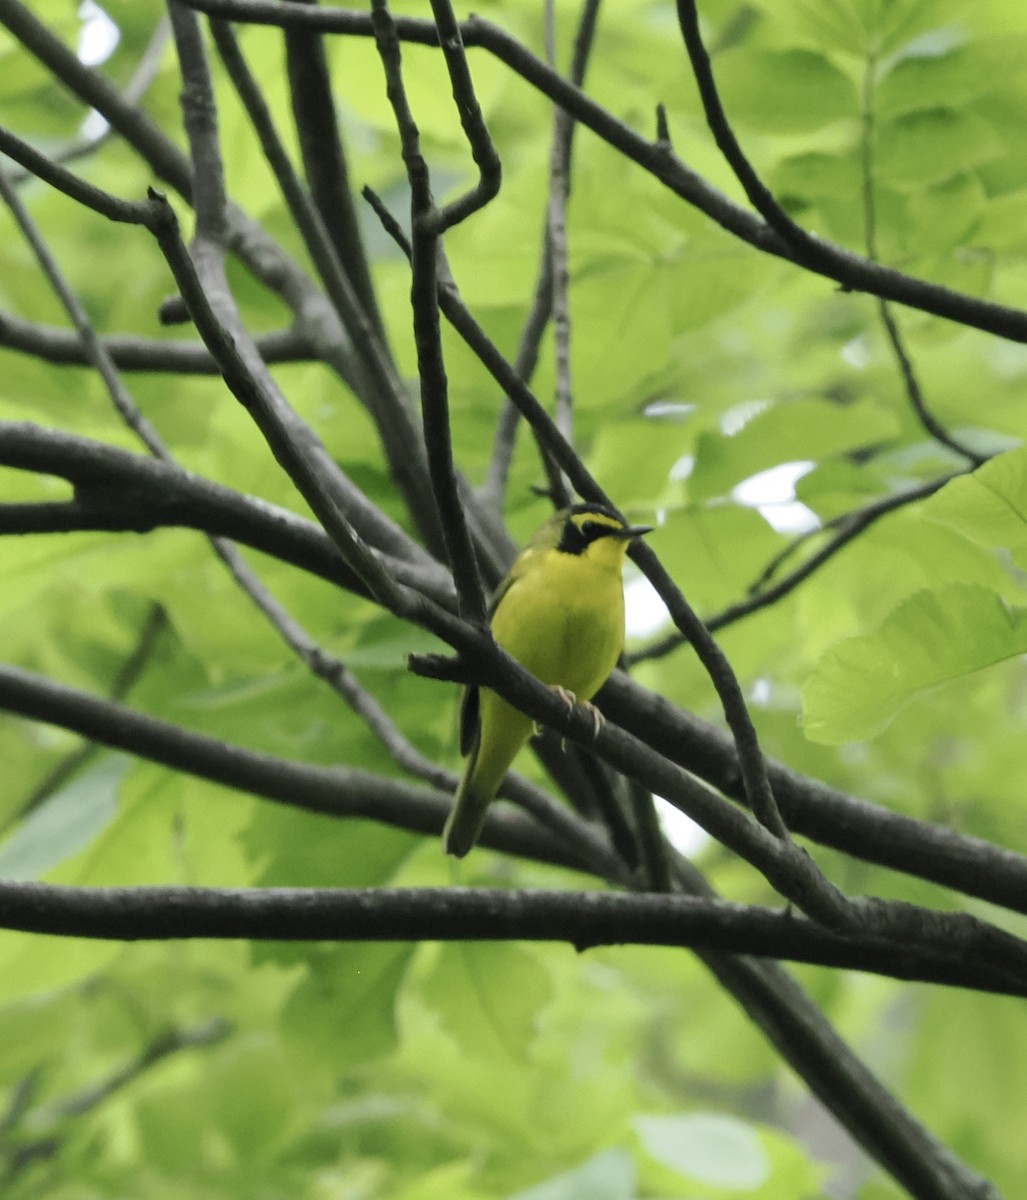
592	531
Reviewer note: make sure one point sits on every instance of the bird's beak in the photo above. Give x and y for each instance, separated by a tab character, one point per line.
634	531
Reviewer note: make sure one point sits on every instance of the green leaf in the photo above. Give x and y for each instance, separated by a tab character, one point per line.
709	1147
253	1089
816	174
714	551
489	996
989	506
946	70
343	1010
789	431
930	145
787	91
935	636
66	822
608	1176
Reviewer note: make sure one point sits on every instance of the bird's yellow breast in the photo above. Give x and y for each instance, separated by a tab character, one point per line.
563	616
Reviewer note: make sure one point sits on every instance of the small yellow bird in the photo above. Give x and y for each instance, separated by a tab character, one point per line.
560	614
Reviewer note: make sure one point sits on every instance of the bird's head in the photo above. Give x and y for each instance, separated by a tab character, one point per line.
591	530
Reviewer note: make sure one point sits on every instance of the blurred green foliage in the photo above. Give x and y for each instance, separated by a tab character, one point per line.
483	1071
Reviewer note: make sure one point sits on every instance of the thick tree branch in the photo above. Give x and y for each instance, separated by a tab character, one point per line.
118	490
584	919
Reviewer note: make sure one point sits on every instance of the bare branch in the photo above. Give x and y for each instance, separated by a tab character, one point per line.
584	919
556	239
130	353
118	490
427	223
325	166
129	212
483	151
335	791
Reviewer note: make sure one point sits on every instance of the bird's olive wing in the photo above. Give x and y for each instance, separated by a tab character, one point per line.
470	705
500	592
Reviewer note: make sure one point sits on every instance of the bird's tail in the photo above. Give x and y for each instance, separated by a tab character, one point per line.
470	806
502	732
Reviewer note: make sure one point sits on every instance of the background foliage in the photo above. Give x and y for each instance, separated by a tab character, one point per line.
469	1070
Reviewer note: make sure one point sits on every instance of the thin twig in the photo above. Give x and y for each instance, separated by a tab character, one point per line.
426	224
483	150
324	163
556	238
494	488
130	353
914	392
134	90
847	526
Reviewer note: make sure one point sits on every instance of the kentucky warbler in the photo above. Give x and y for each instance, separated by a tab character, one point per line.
560	613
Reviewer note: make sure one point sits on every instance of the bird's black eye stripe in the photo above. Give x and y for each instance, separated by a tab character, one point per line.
577	537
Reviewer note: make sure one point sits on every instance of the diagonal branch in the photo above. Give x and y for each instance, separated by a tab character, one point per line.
823	813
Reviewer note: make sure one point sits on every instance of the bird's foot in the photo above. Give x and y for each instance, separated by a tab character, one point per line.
567	697
598	720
